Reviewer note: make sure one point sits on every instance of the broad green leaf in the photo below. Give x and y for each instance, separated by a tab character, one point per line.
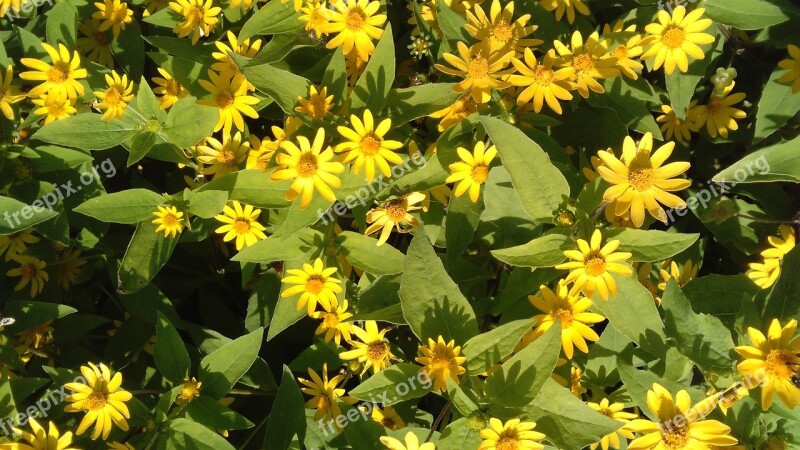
459	435
169	352
544	251
372	87
130	206
62	24
406	104
282	86
780	162
147	103
251	187
272	18
398	382
750	14
462	220
188	122
208	203
213	414
360	432
291	419
128	50
87	132
19	216
286	311
720	295
782	301
147	253
540	185
432	304
632	111
364	253
486	349
141	145
650	245
287	248
53	159
777	105
220	370
452	25
186	434
28	314
381	301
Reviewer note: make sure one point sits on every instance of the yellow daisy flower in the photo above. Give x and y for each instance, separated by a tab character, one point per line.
16	243
541	83
394	214
455	113
586	62
318	103
677	37
32	341
387	417
68	264
411	443
326	394
94	43
315	283
240	222
246	4
224	63
780	245
102	398
54	106
229	94
290	127
31	270
190	390
223	157
593	265
200	17
499	29
612	411
315	15
792	66
472	171
154	6
372	351
357	25
41	439
681	274
673	126
678	427
566	6
354	66
482	70
365	144
627	53
765	274
512	434
115	98
114	14
333	322
310	167
719	115
641	180
9	94
10	5
169	220
774	362
60	77
168	89
440	361
260	153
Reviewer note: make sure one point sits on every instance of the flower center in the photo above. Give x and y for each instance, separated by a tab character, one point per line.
582	63
224	99
480	173
565	315
641	179
388	423
714	106
478	67
355	19
503	31
315	284
56	74
780	363
676	437
370	144
241	226
377	351
595	266
225	157
507	443
100	38
606	412
27	271
173	88
323	402
195	15
673	37
440	359
170	220
620	52
57	109
307	166
95	401
113	96
396	211
331	320
120	14
543	76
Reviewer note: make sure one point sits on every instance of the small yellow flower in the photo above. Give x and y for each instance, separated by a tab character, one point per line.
318	103
472	171
612	411
792	66
9	5
229	94
356	23
241	223
115	98
200	17
168	89
387	417
9	94
541	83
315	283
411	443
455	113
586	62
189	391
482	70
54	106
326	394
513	434
593	265
333	322
41	439
260	153
629	52
223	157
394	214
222	55
60	77
120	446
315	15
94	44
31	270
114	14
154	6
366	146
33	340
372	350
15	244
681	274
764	274
672	125
719	115
677	37
169	220
566	6
68	264
499	29
102	398
440	361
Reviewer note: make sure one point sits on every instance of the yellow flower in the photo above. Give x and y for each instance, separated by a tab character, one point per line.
169	90
387	417
318	103
94	43
482	70
513	434
315	283
571	309
223	157
314	14
60	77
586	62
222	56
455	113
9	94
365	144
440	361
120	446
30	270
627	53
681	275
68	264
612	411
199	18
774	362
241	223
357	24
9	5
676	37
499	30
16	243
394	214
190	389
780	245
54	106
333	322
41	439
116	96
792	65
354	67
154	6
411	443
568	6
260	153
372	351
593	265
326	394
114	14
541	83
766	274
472	171
246	4
672	125
679	427
102	398
290	127
310	167
719	115
641	180
169	220
32	341
229	94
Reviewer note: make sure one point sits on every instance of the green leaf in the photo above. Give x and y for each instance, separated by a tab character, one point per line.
169	353
777	105
147	253
459	435
780	162
19	216
362	252
141	145
432	304
651	245
53	159
452	25
251	187
701	338
287	248
540	185
290	421
720	295
335	78
381	301
28	314
750	14
518	381
460	224
62	24
782	301
220	370
398	382
185	434
486	349
544	251
372	88
213	414
282	86
87	132
406	104
147	103
272	18
633	112
131	206
208	203
189	122
128	50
